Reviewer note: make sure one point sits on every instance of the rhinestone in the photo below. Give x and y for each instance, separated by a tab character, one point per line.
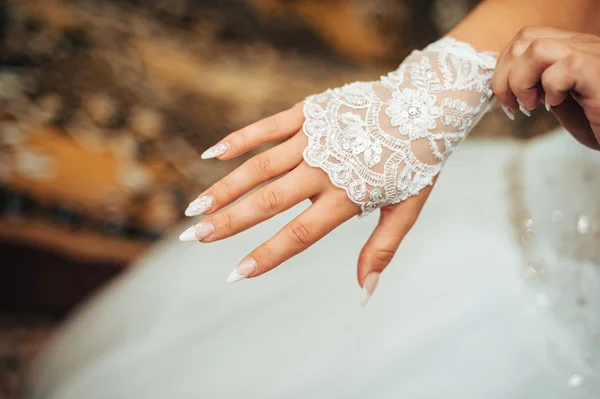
527	224
583	225
528	237
531	272
575	380
413	111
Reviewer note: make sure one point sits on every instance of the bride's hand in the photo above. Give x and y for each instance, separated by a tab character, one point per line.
560	69
350	150
297	181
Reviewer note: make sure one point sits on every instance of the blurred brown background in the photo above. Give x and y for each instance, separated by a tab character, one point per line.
106	106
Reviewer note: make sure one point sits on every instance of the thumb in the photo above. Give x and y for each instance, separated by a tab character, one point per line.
395	221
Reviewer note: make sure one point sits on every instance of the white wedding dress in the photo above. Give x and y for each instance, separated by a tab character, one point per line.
494	294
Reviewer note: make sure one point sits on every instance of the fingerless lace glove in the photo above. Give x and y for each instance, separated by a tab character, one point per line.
385	141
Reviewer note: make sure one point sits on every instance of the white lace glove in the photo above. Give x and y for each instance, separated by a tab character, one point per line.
385	141
382	142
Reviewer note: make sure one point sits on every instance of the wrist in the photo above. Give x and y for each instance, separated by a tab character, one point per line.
491	25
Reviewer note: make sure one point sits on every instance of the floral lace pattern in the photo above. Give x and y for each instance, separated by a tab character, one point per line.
385	141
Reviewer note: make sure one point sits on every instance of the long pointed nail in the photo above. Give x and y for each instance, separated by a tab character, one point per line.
548	106
200	205
197	232
508	113
215	151
369	286
243	270
523	109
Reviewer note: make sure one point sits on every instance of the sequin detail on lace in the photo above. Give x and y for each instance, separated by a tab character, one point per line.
385	141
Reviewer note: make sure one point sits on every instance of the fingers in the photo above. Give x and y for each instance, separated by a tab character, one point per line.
263	204
570	74
513	51
558	80
394	223
257	170
500	85
328	212
526	73
272	128
570	84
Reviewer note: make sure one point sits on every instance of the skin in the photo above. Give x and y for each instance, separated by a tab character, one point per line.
490	27
558	68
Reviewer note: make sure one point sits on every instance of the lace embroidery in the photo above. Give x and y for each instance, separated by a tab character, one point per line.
385	141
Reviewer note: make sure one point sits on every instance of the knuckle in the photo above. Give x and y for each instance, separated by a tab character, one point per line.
538	47
299	234
528	32
383	255
223	222
263	254
378	256
516	48
574	62
545	80
272	124
262	165
268	200
238	140
498	88
222	189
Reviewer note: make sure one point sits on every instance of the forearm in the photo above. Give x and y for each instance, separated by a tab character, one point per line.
491	25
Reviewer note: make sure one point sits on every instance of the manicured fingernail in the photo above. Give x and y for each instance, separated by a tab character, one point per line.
197	232
548	106
243	270
369	286
523	109
200	205
215	151
508	113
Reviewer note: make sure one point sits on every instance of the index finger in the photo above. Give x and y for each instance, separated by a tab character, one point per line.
272	128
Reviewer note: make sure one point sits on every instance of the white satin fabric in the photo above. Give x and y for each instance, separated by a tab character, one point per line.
447	321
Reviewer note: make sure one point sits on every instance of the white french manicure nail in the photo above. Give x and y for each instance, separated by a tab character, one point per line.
200	205
523	109
508	113
215	151
369	286
243	270
548	106
197	232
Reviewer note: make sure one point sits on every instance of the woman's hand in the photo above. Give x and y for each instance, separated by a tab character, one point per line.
350	150
297	181
560	69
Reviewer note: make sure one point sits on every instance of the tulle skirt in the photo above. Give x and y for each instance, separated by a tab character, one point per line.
449	318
